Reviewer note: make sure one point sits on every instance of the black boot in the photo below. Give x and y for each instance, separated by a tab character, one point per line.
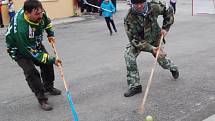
133	91
53	91
175	73
45	106
115	30
111	33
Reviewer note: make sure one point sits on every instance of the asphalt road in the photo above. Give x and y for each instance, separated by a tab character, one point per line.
94	67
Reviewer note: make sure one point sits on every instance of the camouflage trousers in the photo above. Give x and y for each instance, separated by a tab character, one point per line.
133	78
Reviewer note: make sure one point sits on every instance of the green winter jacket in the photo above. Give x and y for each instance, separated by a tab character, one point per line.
24	38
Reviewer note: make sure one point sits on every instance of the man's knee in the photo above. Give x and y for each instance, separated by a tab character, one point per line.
31	73
129	57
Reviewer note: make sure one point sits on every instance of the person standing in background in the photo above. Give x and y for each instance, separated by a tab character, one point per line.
100	3
1	21
173	4
107	5
11	9
114	3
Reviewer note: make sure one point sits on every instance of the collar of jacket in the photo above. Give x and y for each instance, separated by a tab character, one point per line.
28	20
144	12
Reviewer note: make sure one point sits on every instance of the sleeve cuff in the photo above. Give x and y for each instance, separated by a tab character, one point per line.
150	48
51	60
167	29
50	33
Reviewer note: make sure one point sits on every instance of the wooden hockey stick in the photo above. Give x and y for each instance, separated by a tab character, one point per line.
151	75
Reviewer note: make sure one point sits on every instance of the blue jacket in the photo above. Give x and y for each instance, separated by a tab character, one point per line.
108	6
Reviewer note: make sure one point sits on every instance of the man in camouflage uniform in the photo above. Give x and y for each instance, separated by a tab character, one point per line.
144	34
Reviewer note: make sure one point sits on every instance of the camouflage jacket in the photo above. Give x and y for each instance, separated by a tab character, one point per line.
143	30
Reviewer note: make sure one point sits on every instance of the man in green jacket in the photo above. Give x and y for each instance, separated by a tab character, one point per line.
24	45
144	34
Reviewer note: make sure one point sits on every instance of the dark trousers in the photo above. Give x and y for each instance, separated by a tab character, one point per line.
1	21
174	6
33	77
108	21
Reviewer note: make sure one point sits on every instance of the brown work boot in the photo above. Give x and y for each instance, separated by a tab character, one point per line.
45	106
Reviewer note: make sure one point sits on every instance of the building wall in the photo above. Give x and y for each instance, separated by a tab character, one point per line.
54	8
5	15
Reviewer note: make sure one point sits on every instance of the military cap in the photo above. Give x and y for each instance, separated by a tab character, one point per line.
137	1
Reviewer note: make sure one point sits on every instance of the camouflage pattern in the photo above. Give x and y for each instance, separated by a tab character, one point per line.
143	32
